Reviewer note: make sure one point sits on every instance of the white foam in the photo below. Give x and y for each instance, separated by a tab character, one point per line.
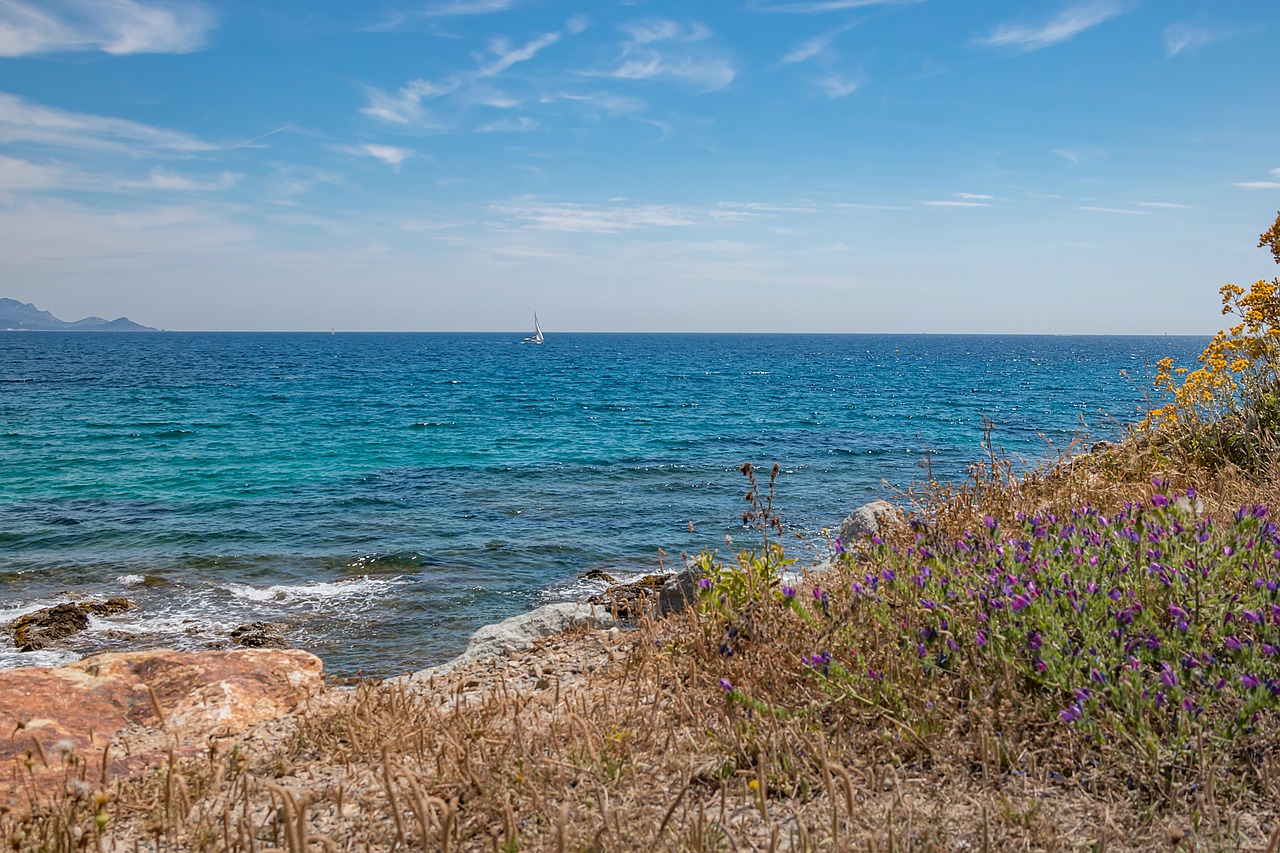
130	580
360	587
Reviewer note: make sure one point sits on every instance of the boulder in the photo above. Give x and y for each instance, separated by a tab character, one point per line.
869	519
125	710
260	635
667	593
48	626
518	633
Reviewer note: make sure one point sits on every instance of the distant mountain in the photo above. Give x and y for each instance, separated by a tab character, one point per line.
25	317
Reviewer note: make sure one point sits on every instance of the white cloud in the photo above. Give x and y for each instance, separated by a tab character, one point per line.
509	125
1163	205
975	196
1185	38
467	7
111	26
612	219
605	101
165	179
955	203
1122	210
388	154
834	86
1258	185
1067	154
1067	24
405	106
654	30
806	50
576	24
674	61
508	56
817	6
22	175
22	121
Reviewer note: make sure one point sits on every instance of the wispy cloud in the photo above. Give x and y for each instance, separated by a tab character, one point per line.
523	124
405	106
466	7
1186	38
661	50
1120	210
110	26
167	179
810	7
1163	205
975	196
614	218
1067	24
1261	185
604	101
955	203
1067	154
21	121
506	56
835	86
388	154
18	175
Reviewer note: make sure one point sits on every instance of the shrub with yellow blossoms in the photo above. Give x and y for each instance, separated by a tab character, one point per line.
1229	406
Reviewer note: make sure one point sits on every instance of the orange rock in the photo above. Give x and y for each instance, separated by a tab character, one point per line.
140	705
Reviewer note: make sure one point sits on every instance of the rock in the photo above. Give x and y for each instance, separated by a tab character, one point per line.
597	575
260	635
135	705
662	594
868	520
46	627
518	633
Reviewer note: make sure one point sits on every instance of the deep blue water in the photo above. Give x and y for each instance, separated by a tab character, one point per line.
386	494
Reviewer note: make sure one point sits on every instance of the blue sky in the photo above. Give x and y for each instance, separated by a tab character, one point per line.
1091	166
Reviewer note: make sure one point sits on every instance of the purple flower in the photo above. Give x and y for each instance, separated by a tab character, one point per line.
704	584
788	591
1168	677
1071	714
989	522
1034	640
980	639
726	684
1177	612
1251	616
1249	681
1019	602
1233	643
1159	500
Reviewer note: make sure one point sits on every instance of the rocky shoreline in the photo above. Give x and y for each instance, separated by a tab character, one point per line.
114	715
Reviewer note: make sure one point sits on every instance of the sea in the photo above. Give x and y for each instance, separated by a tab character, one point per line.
382	496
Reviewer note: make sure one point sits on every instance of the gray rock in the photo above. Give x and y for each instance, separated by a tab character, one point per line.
518	633
51	625
656	594
260	635
868	520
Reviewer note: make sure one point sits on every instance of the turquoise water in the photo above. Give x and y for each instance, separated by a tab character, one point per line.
385	494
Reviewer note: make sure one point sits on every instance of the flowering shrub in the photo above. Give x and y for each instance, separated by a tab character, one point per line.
1150	627
1230	406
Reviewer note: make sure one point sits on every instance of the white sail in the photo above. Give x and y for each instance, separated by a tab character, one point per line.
536	337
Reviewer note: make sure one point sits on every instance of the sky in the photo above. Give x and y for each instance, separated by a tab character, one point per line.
901	166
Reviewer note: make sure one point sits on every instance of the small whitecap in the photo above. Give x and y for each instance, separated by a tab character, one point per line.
131	580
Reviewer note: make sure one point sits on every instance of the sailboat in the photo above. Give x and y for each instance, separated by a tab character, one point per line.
536	337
